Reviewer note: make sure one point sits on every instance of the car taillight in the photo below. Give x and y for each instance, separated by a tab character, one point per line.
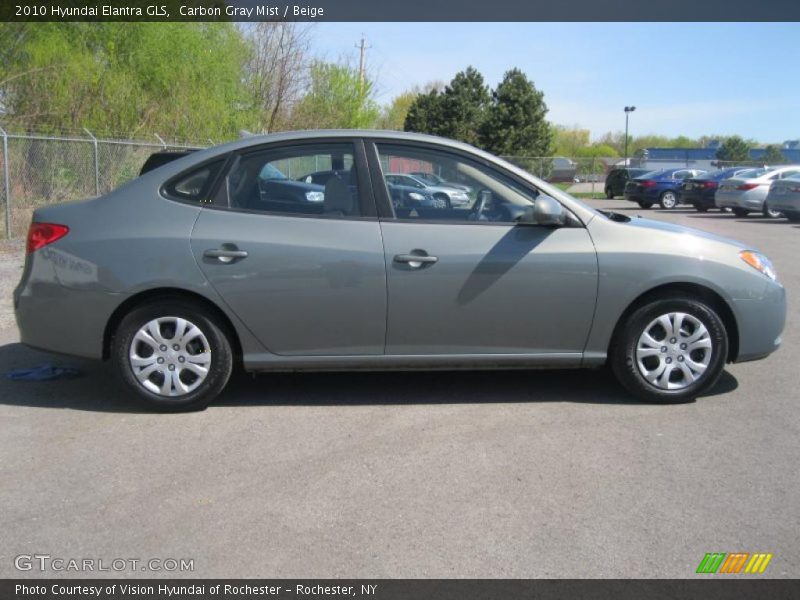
42	234
648	184
795	189
747	186
710	184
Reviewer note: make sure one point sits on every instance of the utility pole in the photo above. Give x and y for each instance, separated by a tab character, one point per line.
362	49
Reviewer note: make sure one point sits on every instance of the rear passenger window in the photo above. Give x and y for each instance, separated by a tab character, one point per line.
193	186
301	180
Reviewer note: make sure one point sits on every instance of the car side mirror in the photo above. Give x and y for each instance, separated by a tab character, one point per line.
548	211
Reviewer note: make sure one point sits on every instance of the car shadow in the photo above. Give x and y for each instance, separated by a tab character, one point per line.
98	390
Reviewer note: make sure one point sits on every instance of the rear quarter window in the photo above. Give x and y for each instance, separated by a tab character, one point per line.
193	186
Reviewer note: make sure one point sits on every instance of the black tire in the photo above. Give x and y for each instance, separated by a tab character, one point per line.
609	193
668	200
645	204
443	198
740	212
701	208
623	352
219	348
793	217
771	214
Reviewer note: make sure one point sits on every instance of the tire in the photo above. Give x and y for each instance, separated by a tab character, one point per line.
645	204
609	193
210	350
793	217
740	212
632	368
668	200
771	214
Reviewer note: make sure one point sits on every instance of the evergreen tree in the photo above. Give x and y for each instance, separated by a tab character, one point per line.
464	105
734	149
516	123
773	155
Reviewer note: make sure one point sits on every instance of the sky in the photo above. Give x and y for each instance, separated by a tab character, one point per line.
684	78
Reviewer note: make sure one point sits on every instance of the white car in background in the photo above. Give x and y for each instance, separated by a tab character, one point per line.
747	192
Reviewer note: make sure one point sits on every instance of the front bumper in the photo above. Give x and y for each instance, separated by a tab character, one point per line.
761	322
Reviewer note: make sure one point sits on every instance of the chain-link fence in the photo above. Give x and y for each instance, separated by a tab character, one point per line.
38	170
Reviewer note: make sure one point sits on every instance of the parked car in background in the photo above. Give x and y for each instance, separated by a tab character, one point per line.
748	191
699	191
658	187
196	267
618	177
450	195
405	196
562	170
784	197
438	180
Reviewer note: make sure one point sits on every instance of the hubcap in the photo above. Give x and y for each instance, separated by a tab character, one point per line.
673	351
170	356
669	200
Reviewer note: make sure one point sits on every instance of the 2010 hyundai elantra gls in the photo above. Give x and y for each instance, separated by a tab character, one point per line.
286	252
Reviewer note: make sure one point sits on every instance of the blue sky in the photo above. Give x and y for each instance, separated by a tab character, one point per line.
684	78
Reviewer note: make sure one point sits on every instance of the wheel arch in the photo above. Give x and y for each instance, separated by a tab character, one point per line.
167	293
711	297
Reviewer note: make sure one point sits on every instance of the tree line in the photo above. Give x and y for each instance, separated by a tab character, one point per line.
209	81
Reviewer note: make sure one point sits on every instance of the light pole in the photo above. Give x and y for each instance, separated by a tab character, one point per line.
628	111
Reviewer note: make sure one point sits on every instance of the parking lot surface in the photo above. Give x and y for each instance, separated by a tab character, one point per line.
450	474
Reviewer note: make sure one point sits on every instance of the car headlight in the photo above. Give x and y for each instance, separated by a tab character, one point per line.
759	262
315	196
416	196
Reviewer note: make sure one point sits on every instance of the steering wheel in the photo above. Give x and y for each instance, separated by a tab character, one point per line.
484	196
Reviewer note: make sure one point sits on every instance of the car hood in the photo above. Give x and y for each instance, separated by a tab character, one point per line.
681	230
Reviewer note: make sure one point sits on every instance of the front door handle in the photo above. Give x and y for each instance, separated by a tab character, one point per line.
226	254
415	261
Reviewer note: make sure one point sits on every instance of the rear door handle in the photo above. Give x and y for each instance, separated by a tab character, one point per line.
415	260
226	254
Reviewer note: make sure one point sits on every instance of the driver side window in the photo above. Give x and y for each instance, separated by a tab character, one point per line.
458	190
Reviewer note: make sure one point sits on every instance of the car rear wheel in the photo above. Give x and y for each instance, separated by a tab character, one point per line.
771	213
670	350
645	204
172	355
740	212
701	208
668	200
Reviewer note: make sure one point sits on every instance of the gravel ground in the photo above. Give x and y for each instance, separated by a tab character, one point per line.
503	474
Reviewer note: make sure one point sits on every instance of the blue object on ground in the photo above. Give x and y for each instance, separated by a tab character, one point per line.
46	372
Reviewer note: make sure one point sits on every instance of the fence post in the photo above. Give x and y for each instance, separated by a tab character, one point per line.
6	183
163	143
96	162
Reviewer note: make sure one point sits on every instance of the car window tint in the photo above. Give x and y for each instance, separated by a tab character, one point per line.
193	186
305	180
468	191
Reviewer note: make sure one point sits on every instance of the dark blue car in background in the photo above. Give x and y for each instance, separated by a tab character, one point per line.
700	191
658	187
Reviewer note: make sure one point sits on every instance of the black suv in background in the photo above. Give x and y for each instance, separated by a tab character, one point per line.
618	177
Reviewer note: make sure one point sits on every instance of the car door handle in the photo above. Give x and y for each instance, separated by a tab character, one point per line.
225	255
415	260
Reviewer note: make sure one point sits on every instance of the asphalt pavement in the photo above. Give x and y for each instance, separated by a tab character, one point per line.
449	474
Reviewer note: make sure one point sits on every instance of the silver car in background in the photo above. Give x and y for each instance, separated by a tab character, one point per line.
202	264
447	194
784	197
747	192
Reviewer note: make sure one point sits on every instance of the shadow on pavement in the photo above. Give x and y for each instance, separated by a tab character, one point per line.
98	390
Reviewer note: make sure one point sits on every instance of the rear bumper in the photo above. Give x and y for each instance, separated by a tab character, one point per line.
697	199
739	200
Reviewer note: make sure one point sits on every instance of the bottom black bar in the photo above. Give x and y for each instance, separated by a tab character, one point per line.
399	589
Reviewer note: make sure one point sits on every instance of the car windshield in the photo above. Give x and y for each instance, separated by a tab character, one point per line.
650	174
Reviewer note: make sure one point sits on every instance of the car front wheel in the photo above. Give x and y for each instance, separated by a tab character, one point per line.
172	355
670	350
645	204
609	193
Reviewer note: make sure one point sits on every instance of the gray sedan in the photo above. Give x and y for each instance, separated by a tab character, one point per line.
202	264
784	197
